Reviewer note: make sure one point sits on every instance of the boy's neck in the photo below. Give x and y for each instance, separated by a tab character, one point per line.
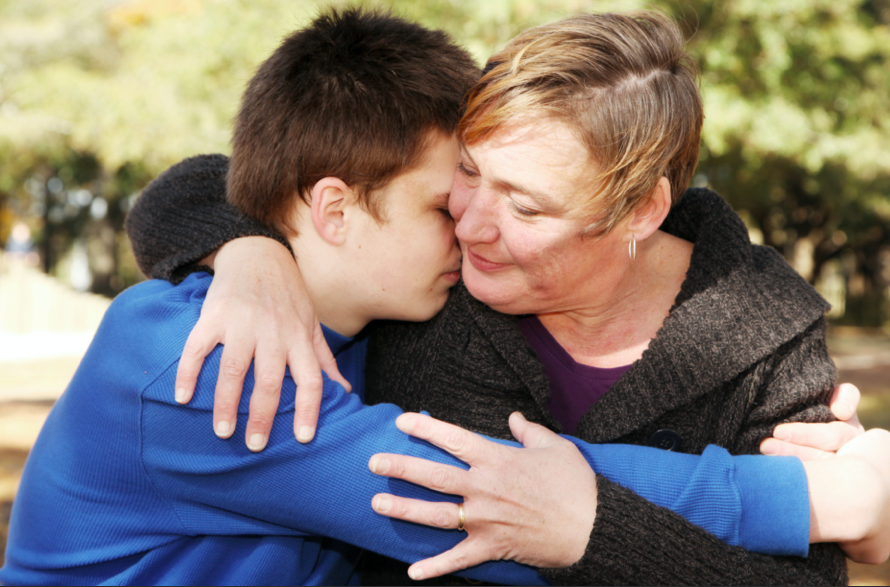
331	289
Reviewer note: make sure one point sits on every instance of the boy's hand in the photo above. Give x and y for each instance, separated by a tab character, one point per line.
257	306
850	497
535	505
872	449
815	441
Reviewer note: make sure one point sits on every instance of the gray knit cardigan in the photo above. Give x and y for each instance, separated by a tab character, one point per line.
742	350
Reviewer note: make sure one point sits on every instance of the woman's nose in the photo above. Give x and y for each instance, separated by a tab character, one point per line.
474	213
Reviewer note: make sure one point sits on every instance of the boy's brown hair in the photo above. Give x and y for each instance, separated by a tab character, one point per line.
622	83
355	95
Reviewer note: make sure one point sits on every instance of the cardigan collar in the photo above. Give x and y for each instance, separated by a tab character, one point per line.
738	304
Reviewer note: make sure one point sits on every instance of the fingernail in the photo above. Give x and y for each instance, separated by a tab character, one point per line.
416	574
223	429
180	395
382	504
782	433
257	442
305	434
379	465
769	447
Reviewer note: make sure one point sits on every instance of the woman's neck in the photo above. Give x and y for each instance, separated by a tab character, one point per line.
616	330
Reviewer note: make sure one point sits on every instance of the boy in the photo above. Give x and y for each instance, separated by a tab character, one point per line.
345	142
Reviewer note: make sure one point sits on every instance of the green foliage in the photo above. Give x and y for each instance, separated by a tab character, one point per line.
797	133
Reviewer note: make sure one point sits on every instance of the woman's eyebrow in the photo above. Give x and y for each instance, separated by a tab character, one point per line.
537	195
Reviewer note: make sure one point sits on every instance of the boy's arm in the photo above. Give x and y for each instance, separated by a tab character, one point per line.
849	496
325	487
181	219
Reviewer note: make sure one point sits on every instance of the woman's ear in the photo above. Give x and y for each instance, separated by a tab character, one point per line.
330	199
648	217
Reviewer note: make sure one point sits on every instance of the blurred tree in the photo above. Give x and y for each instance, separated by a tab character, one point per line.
797	98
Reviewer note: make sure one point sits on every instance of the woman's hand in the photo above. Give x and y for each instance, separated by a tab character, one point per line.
535	505
257	306
814	441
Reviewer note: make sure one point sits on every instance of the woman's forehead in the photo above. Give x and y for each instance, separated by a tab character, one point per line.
528	148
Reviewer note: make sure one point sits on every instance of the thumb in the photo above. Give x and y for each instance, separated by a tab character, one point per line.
845	401
531	435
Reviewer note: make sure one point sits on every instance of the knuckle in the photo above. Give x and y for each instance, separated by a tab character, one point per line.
192	349
455	440
400	509
440	478
184	375
423	427
397	468
259	420
460	561
268	383
233	367
317	333
306	411
312	380
440	517
225	406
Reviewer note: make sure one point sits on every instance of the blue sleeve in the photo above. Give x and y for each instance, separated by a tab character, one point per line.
325	488
322	488
760	503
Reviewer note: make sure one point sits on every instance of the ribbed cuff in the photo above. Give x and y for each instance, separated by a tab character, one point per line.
775	505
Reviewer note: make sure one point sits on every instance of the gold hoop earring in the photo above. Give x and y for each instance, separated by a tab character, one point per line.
632	247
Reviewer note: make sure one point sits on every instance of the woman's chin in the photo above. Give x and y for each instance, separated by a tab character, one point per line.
499	295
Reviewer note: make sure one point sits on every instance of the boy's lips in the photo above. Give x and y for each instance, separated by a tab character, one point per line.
454	274
483	264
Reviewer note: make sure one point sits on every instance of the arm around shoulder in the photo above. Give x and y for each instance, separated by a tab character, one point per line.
183	216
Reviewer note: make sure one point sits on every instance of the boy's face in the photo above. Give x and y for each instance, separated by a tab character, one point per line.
410	261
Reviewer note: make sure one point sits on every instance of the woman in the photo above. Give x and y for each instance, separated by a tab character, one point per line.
579	140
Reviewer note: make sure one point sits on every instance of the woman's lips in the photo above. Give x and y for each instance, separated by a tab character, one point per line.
483	264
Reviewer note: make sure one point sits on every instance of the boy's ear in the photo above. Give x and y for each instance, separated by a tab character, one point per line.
330	199
648	217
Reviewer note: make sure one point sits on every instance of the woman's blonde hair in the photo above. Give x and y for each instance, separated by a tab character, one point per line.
622	82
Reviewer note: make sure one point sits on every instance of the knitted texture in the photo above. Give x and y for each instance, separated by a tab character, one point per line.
742	351
170	241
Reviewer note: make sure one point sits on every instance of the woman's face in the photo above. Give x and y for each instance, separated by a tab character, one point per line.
519	200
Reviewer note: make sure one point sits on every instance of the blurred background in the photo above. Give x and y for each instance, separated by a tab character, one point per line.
99	96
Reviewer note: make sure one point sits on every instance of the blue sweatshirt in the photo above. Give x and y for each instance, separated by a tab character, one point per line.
125	486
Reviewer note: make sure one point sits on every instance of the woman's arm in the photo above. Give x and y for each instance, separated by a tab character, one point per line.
182	217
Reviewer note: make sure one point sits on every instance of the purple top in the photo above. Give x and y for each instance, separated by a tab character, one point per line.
574	387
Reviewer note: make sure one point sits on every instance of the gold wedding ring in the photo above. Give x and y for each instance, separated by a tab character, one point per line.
461	517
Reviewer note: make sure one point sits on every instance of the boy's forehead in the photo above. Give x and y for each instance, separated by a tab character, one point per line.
430	180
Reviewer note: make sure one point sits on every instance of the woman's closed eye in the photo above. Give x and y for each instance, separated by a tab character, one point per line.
465	171
522	210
